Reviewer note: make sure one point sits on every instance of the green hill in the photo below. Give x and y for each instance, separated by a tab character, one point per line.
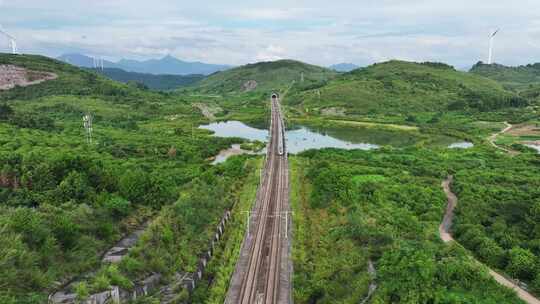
264	76
515	78
71	81
406	88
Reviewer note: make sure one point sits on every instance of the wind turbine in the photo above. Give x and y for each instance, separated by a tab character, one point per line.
12	41
491	39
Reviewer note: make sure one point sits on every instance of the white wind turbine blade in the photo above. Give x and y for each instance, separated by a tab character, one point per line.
12	40
491	40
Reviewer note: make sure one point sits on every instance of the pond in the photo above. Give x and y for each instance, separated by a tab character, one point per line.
298	140
536	147
461	145
236	129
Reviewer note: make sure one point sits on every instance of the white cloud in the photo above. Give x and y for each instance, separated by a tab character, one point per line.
271	53
316	31
265	14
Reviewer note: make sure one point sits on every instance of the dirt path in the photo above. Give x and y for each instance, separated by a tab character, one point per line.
373	285
444	228
446	236
493	137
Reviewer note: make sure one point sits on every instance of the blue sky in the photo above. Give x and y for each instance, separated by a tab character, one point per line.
315	31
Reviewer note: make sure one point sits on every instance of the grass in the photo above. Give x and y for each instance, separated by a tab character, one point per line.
270	76
404	90
213	288
516	78
319	270
376	125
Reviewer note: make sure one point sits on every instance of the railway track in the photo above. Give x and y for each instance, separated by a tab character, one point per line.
263	269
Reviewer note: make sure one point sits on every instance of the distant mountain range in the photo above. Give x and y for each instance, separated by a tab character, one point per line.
166	65
343	67
153	82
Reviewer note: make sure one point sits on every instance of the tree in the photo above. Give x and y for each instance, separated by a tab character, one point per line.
134	185
5	111
75	186
491	252
535	285
521	263
17	264
117	206
534	218
419	285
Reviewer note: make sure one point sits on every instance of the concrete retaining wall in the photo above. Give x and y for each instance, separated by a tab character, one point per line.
151	283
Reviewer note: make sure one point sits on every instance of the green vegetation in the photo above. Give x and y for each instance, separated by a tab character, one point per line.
376	133
213	288
498	216
269	76
254	146
65	202
182	231
516	78
411	93
386	206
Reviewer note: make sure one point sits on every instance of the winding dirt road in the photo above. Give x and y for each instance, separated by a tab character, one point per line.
446	236
493	137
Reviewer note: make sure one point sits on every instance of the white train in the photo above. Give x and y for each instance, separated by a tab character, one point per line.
281	128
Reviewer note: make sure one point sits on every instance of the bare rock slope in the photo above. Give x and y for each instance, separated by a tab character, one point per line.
11	76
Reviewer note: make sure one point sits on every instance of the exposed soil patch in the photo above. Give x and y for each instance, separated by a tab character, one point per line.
235	149
525	130
208	111
11	76
333	111
249	85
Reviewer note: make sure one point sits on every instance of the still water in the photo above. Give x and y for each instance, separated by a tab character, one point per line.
297	140
301	138
461	145
536	147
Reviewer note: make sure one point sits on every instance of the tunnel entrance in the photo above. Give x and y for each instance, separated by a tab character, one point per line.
275	96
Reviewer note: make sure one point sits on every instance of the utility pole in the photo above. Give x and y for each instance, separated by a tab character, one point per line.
286	213
261	168
248	221
87	123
